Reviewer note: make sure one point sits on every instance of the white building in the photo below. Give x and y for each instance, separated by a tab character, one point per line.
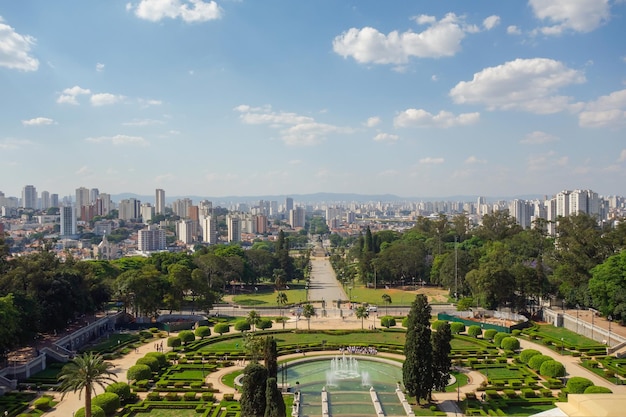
151	239
68	221
159	202
234	229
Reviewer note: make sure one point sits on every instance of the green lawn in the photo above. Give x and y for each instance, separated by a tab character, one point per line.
569	337
165	412
526	410
462	379
267	298
503	373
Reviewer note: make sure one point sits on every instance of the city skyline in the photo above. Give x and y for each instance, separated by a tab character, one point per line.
242	98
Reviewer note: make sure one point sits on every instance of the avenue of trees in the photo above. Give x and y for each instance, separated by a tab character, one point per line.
40	293
497	263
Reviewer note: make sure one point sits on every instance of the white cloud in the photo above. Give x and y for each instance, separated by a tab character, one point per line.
474	160
104	99
119	140
422	118
68	96
187	10
546	161
15	49
294	129
386	137
373	121
142	122
513	30
38	121
440	39
431	161
522	84
83	171
579	16
491	22
537	137
99	67
434	77
622	156
606	111
11	144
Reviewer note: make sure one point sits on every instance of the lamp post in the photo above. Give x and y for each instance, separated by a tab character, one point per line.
610	318
577	308
562	346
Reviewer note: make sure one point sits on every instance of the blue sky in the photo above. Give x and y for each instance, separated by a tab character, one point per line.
253	97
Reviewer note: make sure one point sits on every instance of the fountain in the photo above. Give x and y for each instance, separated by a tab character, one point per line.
342	368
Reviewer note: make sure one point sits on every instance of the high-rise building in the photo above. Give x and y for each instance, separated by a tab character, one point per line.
54	200
147	212
129	209
29	197
180	207
45	200
209	229
82	199
93	195
159	202
68	221
261	224
103	204
297	217
151	239
234	229
288	204
185	231
521	211
562	203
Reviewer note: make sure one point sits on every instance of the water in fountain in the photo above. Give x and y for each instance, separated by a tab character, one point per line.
341	368
365	379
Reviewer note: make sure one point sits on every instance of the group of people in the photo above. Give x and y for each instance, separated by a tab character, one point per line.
359	350
158	347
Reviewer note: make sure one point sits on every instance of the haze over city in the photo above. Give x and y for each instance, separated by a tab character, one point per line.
223	98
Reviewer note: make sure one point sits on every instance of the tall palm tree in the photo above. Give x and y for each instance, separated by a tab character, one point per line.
361	313
387	300
308	311
253	318
85	372
281	299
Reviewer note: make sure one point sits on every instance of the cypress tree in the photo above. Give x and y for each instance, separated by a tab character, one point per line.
253	398
275	404
270	357
417	370
441	357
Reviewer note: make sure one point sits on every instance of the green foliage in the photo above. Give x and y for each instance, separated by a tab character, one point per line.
186	336
489	334
417	369
253	390
474	331
203	331
108	401
242	325
95	412
122	389
160	357
552	369
465	304
150	361
264	323
497	339
437	324
274	402
221	328
441	357
526	354
42	403
457	327
387	321
536	361
510	343
578	385
174	341
597	390
138	372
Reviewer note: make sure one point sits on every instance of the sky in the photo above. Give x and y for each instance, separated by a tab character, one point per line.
274	97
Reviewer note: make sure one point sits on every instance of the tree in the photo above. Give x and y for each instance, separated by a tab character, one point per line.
387	300
608	286
253	391
308	311
361	313
253	318
186	336
222	328
441	356
85	372
281	300
417	368
274	402
270	356
203	331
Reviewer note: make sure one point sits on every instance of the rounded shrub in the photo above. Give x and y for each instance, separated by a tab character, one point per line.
152	362
536	361
387	321
405	322
578	385
526	354
108	401
242	325
474	331
264	323
186	336
457	327
489	334
595	389
437	324
510	343
203	331
221	328
159	356
497	339
95	412
553	369
122	389
138	372
174	341
42	403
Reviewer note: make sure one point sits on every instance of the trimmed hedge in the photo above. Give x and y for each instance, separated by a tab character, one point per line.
474	331
108	401
174	341
594	389
95	412
436	325
122	389
186	336
552	369
138	373
526	354
457	327
497	339
578	385
203	331
150	361
510	343
489	334
221	328
388	321
536	361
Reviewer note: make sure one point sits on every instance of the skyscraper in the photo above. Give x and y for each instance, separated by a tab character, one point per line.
29	197
209	229
151	239
45	200
234	229
159	202
68	221
288	204
82	199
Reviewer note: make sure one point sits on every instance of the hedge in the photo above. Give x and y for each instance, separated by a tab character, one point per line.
552	369
594	389
108	401
437	324
186	336
526	354
221	328
122	389
264	323
497	339
578	385
95	412
474	331
203	331
160	356
510	343
150	361
138	372
42	403
489	334
536	361
242	325
457	327
174	341
387	321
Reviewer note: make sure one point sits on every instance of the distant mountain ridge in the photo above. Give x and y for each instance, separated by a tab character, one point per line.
319	198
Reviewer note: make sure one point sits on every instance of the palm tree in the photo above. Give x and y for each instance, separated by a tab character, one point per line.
253	318
281	299
361	313
85	372
387	301
308	311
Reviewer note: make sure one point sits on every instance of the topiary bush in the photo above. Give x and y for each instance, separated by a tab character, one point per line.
405	322
42	403
578	385
264	323
489	334
108	401
497	339
95	412
594	389
457	327
203	331
221	328
510	343
387	321
526	354
552	369
242	325
474	331
152	362
159	356
122	389
437	324
186	336
536	361
138	372
174	341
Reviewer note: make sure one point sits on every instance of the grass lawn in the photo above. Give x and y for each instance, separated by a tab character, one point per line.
229	379
462	379
463	344
266	298
361	294
526	410
568	336
165	412
503	373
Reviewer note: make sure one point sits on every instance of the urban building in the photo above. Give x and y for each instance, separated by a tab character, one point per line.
68	221
209	229
234	229
151	239
29	197
159	202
